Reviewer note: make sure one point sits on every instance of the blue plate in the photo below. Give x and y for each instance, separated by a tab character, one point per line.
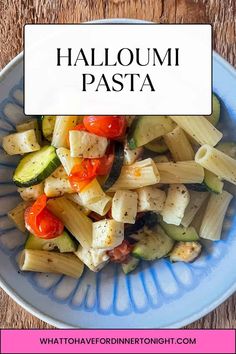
158	294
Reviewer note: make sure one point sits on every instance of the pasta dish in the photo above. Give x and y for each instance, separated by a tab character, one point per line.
100	189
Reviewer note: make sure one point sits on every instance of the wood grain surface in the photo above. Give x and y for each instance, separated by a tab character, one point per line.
15	13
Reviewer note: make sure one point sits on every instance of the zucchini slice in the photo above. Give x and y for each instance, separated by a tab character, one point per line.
215	116
212	182
48	124
157	145
156	244
147	128
229	148
36	166
62	243
180	233
116	166
130	265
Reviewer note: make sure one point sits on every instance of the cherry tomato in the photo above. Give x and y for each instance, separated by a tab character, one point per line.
83	173
41	222
49	225
104	165
87	169
120	253
111	127
39	205
79	127
106	161
76	184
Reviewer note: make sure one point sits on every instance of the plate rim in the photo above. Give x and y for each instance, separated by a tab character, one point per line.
61	324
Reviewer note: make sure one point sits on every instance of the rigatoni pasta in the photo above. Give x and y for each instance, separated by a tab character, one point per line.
102	206
180	172
179	146
217	162
17	215
212	222
140	174
67	161
61	130
199	128
91	193
196	201
73	218
51	262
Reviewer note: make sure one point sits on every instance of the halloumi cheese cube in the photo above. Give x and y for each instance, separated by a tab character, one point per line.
124	206
107	234
86	144
150	198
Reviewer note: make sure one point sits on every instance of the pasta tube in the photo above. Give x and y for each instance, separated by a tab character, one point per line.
51	262
124	206
140	174
214	216
62	127
199	128
101	207
176	202
17	215
180	172
179	146
196	201
73	218
67	161
217	162
75	198
197	220
91	193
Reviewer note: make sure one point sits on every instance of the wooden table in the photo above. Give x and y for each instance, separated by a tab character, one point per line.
15	13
